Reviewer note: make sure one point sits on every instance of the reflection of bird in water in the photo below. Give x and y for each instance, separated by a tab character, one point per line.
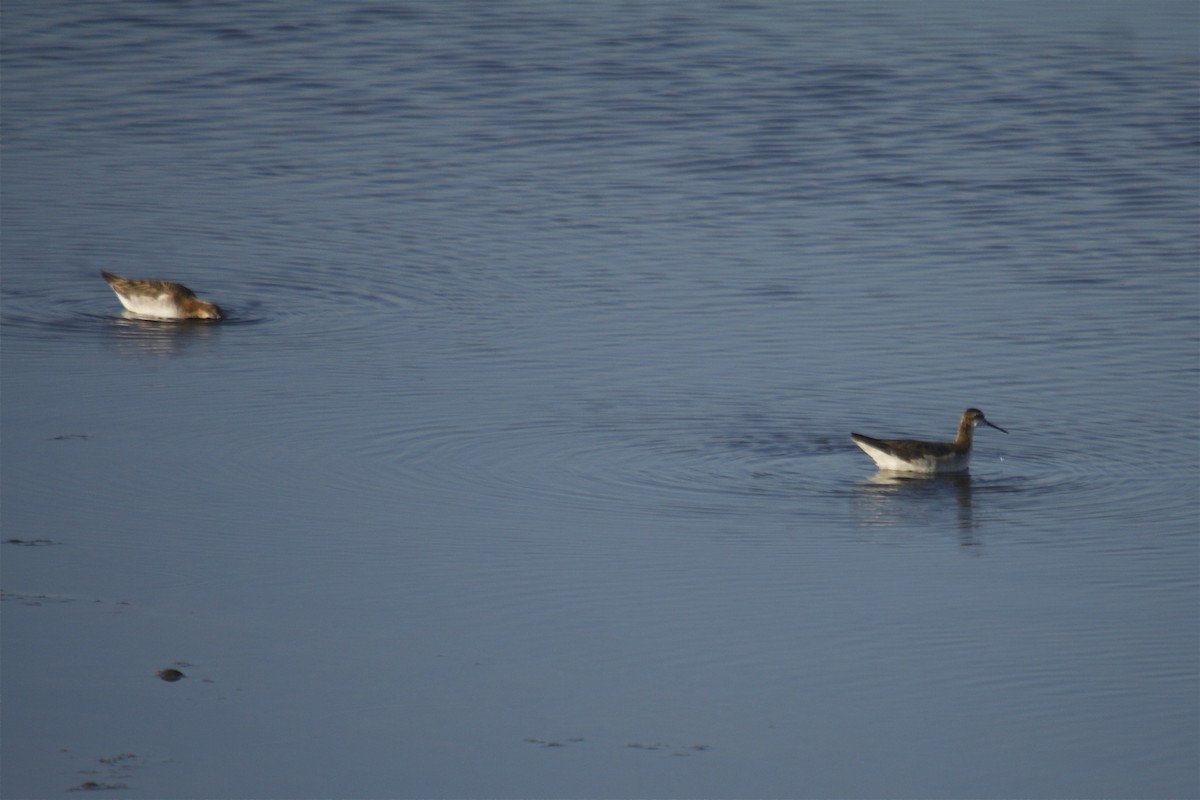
160	299
910	455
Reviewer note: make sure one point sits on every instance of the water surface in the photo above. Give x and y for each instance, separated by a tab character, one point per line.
522	465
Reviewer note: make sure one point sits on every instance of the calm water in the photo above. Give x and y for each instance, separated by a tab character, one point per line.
530	425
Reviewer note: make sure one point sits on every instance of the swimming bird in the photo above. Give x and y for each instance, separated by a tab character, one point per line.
160	299
910	455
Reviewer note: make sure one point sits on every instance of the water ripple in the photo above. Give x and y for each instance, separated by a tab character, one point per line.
682	466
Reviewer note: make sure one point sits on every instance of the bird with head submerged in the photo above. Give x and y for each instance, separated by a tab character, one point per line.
156	299
911	455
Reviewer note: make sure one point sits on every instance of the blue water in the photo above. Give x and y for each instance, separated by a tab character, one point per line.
522	468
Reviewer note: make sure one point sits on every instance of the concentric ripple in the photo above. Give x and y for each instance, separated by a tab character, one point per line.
686	465
657	466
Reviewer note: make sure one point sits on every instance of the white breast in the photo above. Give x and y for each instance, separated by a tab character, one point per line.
162	306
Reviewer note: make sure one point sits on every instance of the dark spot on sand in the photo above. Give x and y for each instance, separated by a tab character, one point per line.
119	758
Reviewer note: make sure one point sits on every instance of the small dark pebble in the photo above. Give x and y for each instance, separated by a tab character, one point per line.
170	675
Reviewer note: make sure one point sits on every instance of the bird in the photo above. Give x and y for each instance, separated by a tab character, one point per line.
160	299
910	455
